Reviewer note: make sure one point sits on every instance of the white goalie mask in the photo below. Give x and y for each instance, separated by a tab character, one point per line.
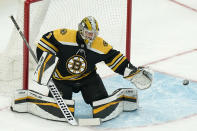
88	29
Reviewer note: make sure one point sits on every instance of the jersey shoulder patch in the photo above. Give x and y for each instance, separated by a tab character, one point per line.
65	35
101	46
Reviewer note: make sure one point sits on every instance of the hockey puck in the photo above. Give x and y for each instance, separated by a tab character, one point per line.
185	82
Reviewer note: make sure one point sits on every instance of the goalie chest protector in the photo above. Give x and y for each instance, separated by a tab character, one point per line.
76	59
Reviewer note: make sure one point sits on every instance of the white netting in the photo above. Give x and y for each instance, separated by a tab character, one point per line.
11	66
48	15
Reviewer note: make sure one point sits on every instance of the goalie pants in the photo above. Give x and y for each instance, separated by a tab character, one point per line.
92	89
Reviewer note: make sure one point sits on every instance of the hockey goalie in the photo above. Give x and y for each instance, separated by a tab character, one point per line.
68	57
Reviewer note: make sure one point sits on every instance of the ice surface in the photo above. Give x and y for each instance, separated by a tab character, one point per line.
160	29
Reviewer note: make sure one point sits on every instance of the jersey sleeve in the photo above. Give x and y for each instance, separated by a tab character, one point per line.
117	61
47	43
113	59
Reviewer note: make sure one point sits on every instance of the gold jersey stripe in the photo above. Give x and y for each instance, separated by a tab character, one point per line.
114	60
72	77
66	77
117	65
49	44
42	48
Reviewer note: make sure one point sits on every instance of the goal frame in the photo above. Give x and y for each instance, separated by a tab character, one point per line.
27	4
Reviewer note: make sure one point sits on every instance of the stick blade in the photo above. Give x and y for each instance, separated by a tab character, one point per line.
89	122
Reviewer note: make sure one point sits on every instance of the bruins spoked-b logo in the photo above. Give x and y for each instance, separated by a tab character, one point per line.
76	64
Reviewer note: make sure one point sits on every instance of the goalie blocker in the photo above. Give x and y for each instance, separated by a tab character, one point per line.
123	99
45	68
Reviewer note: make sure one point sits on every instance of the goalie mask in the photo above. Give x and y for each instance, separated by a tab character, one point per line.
88	29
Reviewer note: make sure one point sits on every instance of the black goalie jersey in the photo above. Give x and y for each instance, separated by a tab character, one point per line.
76	59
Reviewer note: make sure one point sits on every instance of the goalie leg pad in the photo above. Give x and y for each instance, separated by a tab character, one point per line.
130	99
124	99
37	104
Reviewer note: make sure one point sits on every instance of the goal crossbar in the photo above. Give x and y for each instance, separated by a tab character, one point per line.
27	5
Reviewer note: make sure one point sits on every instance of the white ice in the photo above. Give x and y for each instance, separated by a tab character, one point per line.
163	37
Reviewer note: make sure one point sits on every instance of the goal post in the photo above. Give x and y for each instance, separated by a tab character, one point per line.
128	29
37	17
27	4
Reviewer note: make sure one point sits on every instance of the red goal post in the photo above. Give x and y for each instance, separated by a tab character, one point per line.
113	6
27	5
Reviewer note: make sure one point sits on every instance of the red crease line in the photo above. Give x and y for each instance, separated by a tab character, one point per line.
170	57
183	5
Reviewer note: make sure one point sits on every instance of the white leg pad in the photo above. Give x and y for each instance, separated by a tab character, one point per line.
39	105
23	106
124	99
130	101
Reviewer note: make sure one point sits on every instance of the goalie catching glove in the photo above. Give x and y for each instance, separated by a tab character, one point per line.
141	77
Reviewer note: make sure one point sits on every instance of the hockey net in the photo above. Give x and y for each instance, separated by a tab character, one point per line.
37	17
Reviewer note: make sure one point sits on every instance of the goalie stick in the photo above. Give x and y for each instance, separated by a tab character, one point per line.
54	91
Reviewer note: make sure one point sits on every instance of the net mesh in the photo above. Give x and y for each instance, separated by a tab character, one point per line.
48	15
